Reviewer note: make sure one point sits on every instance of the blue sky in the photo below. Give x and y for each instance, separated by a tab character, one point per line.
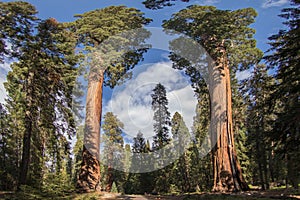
267	23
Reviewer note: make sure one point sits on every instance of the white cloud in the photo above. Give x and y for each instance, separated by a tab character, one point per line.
274	3
241	75
210	2
207	2
184	102
131	102
2	91
4	68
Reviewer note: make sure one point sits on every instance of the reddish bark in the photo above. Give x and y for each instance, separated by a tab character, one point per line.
227	171
89	175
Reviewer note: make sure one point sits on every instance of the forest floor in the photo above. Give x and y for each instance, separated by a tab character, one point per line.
251	195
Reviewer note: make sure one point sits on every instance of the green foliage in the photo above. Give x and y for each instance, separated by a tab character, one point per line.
181	168
284	58
8	155
174	190
228	40
114	188
57	184
94	27
112	130
159	4
100	32
113	152
215	29
259	121
139	183
139	150
38	122
161	138
17	20
40	96
77	152
239	112
161	117
201	164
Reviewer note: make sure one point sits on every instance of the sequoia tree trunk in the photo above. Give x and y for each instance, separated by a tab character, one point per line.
89	175
227	171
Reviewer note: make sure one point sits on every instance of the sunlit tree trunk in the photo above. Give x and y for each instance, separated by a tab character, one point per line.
89	175
227	170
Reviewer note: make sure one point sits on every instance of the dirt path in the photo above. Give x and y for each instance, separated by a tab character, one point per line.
246	196
251	195
127	197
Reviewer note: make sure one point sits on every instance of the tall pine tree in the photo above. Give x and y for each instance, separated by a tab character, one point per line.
17	20
201	163
40	88
284	57
161	138
181	139
113	149
161	117
259	120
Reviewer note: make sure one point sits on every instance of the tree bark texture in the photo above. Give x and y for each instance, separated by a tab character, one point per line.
227	171
89	175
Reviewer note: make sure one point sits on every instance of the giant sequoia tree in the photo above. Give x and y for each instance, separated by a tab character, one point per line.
228	39
92	29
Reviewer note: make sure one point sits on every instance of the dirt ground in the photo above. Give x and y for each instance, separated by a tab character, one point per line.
251	195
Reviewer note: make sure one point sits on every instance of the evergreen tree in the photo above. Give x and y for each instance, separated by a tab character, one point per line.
40	95
77	150
228	39
239	111
139	181
201	164
92	29
8	153
113	149
17	20
161	117
258	122
181	136
138	148
284	57
161	138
